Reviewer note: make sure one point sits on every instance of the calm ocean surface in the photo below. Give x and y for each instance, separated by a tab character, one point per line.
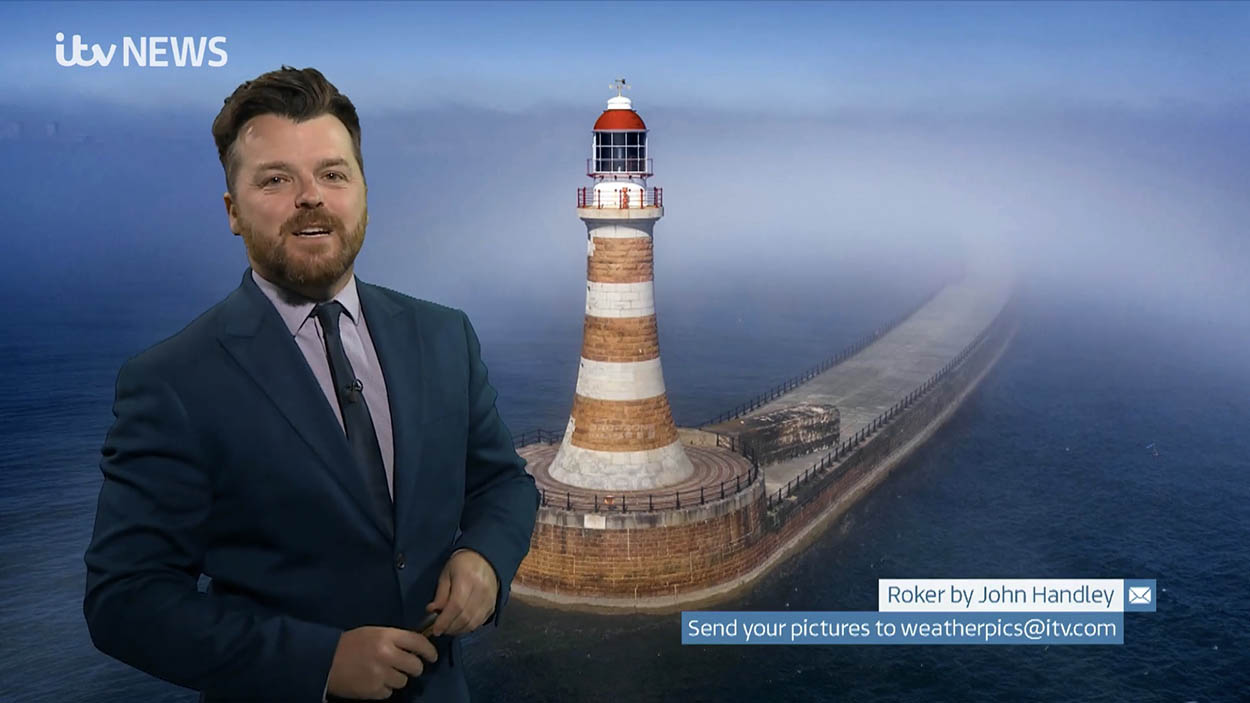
1044	472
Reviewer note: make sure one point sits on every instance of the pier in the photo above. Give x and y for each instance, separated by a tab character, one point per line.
896	364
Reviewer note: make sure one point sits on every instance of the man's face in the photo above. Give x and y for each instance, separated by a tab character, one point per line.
293	178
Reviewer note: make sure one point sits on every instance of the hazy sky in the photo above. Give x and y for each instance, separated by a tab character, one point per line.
768	57
1098	145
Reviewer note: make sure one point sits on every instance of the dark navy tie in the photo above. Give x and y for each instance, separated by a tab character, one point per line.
356	419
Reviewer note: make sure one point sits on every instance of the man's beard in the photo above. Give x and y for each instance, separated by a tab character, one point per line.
277	262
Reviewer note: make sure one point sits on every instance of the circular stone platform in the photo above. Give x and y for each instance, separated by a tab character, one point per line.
717	473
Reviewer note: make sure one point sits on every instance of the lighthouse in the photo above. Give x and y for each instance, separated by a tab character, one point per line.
632	508
620	434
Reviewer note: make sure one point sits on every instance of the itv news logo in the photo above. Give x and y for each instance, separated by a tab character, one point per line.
151	52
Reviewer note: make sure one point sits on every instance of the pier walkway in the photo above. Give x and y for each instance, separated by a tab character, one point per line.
867	384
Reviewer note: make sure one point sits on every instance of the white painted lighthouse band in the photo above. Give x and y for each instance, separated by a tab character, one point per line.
620	435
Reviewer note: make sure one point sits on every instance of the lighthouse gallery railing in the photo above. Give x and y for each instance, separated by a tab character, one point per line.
619	200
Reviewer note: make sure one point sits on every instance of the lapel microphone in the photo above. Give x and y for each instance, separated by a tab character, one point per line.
352	390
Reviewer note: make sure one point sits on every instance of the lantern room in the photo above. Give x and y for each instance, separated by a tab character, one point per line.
619	149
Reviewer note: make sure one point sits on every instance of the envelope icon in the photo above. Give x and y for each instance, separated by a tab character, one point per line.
1139	595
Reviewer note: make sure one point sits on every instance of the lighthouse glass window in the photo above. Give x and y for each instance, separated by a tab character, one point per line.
621	152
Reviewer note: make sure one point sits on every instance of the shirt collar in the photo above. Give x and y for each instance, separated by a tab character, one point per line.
295	309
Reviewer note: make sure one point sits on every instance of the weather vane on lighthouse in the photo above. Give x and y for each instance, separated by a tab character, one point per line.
618	85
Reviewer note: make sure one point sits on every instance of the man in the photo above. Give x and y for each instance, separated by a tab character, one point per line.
328	451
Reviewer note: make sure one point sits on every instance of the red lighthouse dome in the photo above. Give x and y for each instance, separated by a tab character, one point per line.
620	116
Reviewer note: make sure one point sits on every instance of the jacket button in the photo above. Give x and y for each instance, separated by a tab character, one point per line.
399	560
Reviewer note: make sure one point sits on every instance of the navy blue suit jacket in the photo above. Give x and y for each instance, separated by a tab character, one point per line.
225	458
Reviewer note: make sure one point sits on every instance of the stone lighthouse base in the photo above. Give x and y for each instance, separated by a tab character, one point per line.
626	545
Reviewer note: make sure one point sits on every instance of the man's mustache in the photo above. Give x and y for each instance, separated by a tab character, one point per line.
314	223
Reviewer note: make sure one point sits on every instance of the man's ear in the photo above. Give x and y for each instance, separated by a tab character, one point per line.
232	214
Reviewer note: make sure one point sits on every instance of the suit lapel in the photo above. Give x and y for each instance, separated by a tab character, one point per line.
401	353
258	339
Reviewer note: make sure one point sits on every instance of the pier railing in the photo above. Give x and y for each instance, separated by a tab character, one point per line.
791	383
633	502
539	436
832	459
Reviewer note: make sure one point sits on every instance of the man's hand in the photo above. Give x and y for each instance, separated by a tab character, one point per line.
370	662
466	594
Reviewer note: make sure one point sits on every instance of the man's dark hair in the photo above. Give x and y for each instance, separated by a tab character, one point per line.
298	94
